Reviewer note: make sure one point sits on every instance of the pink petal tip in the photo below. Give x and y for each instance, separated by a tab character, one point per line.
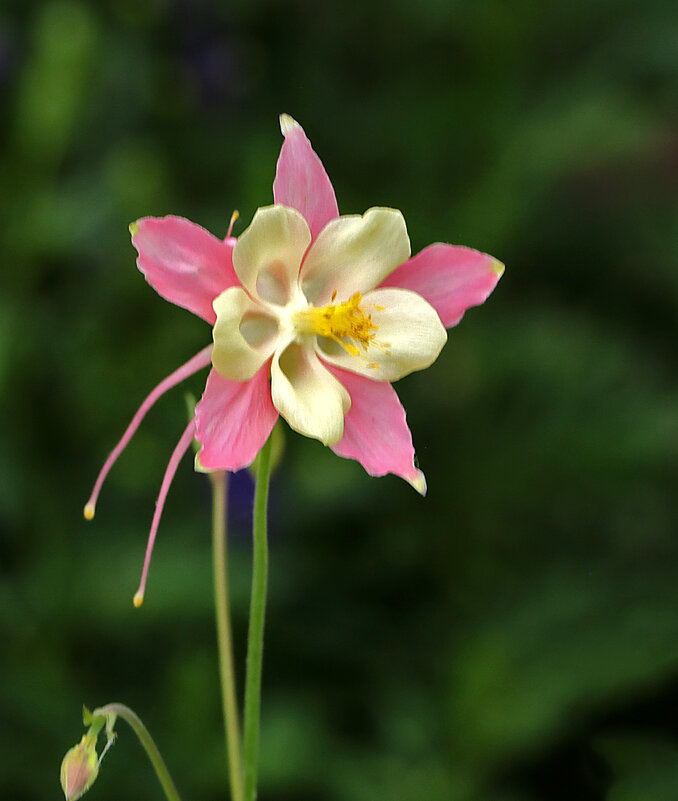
300	178
419	483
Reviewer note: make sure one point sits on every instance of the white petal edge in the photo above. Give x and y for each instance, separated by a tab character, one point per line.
307	395
409	336
233	356
268	254
354	253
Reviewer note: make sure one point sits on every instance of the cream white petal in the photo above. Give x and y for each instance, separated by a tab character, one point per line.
409	337
244	336
354	254
268	254
307	395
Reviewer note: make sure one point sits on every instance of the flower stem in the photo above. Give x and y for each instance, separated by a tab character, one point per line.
124	712
255	643
219	481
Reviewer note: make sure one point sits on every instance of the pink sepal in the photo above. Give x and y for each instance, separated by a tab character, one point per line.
301	181
451	278
233	420
183	262
375	430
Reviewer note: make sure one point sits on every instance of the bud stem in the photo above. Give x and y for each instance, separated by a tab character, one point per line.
124	712
219	481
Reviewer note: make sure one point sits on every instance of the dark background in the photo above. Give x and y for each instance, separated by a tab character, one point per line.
512	637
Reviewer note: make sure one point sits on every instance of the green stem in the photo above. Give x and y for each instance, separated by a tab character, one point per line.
124	712
255	643
224	639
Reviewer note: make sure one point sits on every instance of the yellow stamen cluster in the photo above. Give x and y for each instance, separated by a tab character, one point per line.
345	323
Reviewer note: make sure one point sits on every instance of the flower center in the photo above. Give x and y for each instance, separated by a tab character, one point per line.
346	323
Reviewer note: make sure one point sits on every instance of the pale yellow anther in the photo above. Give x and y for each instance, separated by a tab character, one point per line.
138	599
234	217
88	511
345	323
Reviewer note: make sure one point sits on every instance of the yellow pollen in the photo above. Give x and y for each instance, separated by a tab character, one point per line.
88	511
138	599
345	323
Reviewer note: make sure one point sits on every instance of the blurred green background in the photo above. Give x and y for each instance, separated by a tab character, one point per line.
512	637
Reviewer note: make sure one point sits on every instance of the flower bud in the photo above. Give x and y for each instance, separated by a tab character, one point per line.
79	768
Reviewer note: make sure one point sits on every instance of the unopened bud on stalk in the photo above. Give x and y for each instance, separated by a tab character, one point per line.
80	768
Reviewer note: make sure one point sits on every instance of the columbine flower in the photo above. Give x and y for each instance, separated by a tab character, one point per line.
313	315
